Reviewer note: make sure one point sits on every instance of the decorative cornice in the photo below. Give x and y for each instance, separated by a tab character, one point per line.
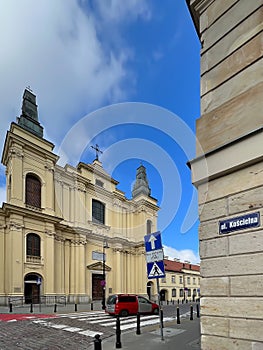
98	266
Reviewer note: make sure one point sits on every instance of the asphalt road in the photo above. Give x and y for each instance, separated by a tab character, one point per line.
76	330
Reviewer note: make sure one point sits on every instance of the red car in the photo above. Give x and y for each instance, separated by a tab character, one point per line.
130	304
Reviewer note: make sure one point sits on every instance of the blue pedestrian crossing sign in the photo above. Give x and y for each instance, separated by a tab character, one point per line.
153	241
156	269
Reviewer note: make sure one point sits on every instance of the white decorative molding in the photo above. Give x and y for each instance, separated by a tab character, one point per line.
15	226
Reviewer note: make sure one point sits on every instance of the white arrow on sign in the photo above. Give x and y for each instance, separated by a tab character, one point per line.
152	240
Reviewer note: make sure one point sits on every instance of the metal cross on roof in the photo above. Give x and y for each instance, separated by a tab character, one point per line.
96	148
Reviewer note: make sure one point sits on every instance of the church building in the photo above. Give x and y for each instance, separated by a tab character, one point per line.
68	231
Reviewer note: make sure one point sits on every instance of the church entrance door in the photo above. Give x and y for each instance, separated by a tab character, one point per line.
97	287
32	288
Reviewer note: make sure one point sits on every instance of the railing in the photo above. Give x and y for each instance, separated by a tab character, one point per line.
33	259
43	300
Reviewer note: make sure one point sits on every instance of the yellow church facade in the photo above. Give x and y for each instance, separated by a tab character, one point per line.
68	231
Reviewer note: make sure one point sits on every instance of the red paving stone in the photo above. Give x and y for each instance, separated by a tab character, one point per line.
23	317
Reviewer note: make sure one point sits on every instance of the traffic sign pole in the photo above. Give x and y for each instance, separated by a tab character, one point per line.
155	265
160	308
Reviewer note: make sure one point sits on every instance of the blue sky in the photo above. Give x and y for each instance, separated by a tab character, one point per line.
126	73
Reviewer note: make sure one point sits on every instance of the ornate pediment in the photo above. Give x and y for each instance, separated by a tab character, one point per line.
98	266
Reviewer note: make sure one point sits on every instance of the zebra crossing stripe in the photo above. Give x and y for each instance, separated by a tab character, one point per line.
90	333
64	327
144	323
72	329
128	320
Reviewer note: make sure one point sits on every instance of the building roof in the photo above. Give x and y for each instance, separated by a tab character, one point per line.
178	266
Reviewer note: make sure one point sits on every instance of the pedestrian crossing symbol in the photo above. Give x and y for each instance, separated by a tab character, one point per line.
156	269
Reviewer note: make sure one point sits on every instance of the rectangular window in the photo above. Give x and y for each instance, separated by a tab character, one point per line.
173	292
194	282
173	279
98	212
188	280
181	279
181	292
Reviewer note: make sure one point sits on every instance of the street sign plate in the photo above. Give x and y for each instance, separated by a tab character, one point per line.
156	255
155	269
153	241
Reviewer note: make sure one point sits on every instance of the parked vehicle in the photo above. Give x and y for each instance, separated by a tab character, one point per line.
130	304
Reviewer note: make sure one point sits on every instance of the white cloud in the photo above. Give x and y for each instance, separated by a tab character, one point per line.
183	255
57	49
2	194
120	11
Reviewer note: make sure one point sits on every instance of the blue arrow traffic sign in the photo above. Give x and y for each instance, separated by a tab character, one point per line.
155	269
153	241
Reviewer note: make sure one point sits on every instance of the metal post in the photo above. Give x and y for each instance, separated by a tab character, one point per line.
31	307
138	330
55	308
191	313
118	333
197	310
10	307
76	307
160	313
91	306
105	245
178	315
103	279
97	342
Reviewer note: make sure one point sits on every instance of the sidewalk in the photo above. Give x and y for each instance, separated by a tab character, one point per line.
49	309
184	336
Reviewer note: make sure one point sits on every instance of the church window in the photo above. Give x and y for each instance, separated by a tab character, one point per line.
149	226
33	191
99	183
98	212
33	245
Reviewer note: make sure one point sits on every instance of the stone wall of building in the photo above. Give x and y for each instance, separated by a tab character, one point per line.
228	171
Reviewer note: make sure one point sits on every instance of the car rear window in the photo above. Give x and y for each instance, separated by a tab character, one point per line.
127	299
112	300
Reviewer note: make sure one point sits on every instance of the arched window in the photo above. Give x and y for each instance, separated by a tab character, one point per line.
149	227
98	212
33	191
33	245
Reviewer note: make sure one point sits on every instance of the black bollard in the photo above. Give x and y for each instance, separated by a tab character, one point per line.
76	307
118	333
191	313
138	330
97	342
178	315
197	310
31	307
55	308
178	301
91	306
186	301
10	307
